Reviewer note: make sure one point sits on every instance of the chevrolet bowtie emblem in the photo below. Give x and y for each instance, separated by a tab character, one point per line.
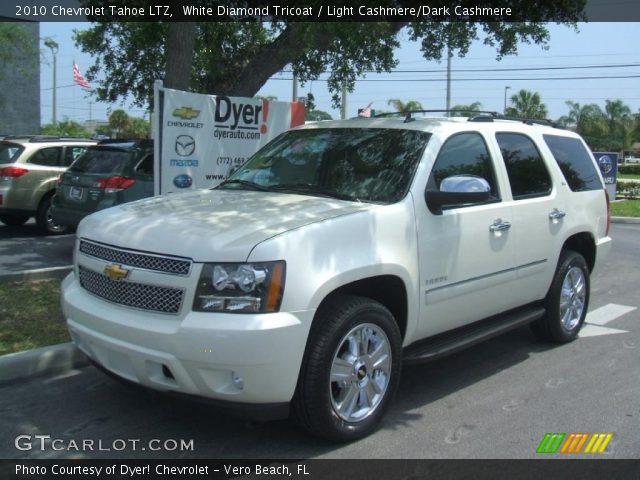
116	272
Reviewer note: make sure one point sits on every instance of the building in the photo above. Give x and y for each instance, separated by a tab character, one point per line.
20	86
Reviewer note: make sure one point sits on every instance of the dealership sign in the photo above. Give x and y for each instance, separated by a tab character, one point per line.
200	139
608	163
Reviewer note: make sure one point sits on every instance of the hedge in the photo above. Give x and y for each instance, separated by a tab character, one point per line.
633	169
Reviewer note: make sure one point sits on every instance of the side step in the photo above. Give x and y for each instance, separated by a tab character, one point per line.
449	342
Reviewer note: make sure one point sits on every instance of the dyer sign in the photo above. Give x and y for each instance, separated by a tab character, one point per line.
200	139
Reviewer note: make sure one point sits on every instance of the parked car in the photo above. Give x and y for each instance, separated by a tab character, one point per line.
336	253
109	173
29	168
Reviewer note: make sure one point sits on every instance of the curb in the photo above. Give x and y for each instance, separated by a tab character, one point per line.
41	361
627	220
37	274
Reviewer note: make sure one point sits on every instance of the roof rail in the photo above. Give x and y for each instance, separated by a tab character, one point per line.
457	112
46	138
528	121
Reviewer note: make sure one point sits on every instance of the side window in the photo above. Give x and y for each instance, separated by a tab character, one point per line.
463	154
575	162
71	153
145	167
527	172
48	157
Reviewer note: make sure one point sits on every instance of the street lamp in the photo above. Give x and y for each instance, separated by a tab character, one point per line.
53	46
505	99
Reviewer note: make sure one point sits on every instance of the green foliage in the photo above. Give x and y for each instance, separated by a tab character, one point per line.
630	169
237	58
628	189
466	110
65	128
124	126
626	208
526	104
403	107
16	47
314	115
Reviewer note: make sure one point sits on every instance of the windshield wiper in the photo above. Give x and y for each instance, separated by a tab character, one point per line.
307	188
244	183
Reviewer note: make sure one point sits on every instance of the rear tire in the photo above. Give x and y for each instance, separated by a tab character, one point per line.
567	301
351	369
45	221
14	220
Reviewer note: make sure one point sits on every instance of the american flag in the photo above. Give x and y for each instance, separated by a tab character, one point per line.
365	112
78	78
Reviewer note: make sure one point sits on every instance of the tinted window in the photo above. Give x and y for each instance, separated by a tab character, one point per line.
71	153
101	160
366	164
527	172
146	165
49	157
463	154
575	162
9	152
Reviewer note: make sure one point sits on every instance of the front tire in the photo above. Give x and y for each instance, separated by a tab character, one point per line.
567	301
351	369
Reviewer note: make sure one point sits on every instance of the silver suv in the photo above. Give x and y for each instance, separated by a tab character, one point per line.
29	169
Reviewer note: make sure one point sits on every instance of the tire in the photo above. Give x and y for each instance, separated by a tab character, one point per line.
45	221
14	220
567	301
342	396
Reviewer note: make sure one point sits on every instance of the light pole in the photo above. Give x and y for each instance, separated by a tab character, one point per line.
505	99
53	46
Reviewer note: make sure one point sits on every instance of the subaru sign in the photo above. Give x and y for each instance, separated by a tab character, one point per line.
608	163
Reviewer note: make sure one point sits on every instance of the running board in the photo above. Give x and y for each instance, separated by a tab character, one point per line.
449	342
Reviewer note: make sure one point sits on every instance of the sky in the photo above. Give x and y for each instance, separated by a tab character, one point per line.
599	49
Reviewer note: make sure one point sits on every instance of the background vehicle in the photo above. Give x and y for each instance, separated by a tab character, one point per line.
29	168
338	252
109	173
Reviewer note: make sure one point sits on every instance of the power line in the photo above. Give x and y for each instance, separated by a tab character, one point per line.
538	79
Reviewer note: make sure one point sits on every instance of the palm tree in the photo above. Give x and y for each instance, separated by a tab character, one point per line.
527	104
118	121
465	110
581	116
403	107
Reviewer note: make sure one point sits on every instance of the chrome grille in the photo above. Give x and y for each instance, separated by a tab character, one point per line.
132	294
177	266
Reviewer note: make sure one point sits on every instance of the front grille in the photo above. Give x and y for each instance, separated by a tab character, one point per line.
132	294
177	266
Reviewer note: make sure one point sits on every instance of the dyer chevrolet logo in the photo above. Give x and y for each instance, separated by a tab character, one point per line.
186	112
116	272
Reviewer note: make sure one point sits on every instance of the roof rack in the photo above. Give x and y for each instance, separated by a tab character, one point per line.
528	121
478	116
46	138
121	140
409	118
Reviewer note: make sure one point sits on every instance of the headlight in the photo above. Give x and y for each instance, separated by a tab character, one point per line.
240	287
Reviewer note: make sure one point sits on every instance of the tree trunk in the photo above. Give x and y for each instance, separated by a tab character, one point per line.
180	44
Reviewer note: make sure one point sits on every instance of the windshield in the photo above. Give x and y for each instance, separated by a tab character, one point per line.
359	164
9	152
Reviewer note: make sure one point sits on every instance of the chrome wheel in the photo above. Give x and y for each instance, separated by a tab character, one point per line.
52	226
360	372
572	298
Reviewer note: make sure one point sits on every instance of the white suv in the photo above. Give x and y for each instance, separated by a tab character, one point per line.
338	252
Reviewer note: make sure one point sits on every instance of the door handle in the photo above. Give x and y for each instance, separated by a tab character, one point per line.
556	214
499	225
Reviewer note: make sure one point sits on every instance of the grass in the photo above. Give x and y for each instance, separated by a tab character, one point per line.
626	208
30	316
628	176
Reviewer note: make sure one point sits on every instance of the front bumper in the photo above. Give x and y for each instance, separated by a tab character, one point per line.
237	358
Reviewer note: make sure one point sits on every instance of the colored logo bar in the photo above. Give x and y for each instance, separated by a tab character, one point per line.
574	442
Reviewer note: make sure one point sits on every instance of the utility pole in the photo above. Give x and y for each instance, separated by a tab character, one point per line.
294	96
53	46
343	103
448	77
505	99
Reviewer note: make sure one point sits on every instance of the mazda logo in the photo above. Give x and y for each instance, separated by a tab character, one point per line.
185	145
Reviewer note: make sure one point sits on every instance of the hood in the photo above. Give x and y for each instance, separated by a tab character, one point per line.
209	225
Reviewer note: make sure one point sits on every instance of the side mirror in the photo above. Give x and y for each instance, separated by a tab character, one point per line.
458	190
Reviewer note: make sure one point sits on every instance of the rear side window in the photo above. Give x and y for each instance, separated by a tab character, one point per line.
101	161
527	172
9	152
145	167
48	157
575	162
71	154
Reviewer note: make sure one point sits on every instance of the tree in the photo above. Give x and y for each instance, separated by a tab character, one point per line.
137	128
315	115
403	107
119	122
65	128
238	57
581	116
465	110
527	104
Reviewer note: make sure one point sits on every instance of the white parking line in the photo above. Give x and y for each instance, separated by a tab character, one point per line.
601	316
